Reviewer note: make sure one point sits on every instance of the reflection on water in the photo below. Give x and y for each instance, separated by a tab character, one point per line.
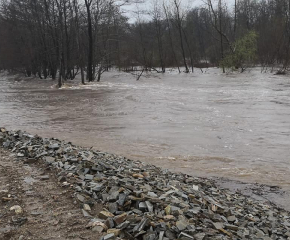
236	126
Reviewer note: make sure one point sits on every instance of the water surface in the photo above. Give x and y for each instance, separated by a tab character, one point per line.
235	126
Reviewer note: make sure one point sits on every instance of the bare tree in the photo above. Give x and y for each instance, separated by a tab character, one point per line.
178	19
158	22
88	4
170	36
217	23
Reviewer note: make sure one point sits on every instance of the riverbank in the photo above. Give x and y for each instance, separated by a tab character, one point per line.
224	125
146	202
34	205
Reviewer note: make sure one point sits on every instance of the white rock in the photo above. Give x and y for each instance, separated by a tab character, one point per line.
17	209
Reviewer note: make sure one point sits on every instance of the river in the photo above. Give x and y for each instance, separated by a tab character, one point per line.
226	125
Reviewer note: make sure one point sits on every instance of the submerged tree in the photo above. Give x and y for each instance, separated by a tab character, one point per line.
62	38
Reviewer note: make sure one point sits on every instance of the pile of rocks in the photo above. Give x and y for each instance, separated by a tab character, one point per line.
145	202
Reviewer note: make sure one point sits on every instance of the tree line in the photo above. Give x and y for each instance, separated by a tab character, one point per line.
60	39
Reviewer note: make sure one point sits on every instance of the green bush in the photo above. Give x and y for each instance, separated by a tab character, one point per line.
244	52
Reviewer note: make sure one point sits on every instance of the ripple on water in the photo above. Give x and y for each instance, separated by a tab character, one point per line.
186	120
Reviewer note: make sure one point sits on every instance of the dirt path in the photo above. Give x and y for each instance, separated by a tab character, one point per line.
49	211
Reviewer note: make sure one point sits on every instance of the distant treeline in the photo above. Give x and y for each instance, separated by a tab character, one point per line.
62	38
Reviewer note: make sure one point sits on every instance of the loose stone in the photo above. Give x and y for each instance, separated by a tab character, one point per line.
115	231
105	215
17	209
120	218
146	202
87	207
109	236
181	225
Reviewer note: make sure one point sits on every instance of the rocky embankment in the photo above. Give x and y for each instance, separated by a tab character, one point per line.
146	202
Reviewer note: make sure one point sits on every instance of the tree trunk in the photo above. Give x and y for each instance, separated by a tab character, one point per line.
170	38
179	26
221	36
90	34
83	75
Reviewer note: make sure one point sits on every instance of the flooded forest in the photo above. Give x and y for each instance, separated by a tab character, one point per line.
61	39
132	119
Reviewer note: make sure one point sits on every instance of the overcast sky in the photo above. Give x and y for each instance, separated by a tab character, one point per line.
130	9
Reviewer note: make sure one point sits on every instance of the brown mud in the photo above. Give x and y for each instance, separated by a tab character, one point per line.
49	211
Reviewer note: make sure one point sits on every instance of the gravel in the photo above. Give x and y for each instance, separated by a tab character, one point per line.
146	202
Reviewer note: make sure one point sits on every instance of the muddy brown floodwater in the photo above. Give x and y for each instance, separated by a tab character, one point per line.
235	126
